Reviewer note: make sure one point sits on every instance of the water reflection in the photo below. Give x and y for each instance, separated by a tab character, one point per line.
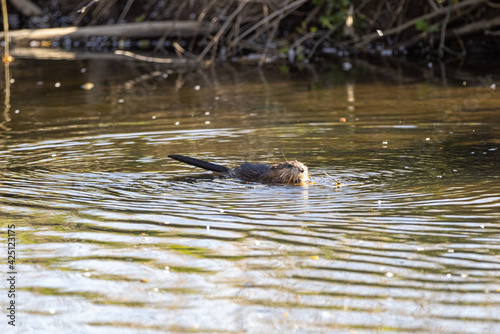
114	233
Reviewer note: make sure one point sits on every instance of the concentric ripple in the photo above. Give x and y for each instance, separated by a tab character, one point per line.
114	237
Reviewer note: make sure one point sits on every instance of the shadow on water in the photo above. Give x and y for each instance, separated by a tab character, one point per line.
113	236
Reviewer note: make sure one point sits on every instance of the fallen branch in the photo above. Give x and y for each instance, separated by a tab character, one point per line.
129	30
54	54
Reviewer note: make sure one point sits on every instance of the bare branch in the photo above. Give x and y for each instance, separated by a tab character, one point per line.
26	7
368	38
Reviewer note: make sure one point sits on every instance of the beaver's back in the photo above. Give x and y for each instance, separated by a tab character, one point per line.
284	172
250	172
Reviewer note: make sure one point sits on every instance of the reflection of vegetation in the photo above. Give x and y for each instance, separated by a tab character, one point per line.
180	269
7	59
58	292
143	327
187	250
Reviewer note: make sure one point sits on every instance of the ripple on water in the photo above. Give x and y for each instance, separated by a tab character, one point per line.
114	233
291	248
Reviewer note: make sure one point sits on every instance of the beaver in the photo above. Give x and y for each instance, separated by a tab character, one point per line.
283	172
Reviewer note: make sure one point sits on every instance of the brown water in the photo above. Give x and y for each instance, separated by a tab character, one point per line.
114	237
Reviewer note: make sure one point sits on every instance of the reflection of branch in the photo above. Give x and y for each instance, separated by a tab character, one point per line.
149	59
268	43
125	11
43	53
6	60
6	110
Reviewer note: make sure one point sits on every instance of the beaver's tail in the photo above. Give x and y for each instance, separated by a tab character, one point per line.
200	163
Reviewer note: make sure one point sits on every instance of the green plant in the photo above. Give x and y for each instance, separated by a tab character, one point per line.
425	27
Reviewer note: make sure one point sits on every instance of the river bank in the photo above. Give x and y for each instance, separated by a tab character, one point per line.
263	31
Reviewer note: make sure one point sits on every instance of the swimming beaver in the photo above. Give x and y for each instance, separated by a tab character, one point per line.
283	172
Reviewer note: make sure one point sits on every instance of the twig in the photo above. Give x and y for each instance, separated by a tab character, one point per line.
443	31
396	15
494	5
488	32
376	14
337	182
201	16
84	8
410	42
478	26
460	42
235	30
303	38
322	39
342	185
101	9
125	10
179	50
368	38
167	32
27	7
293	6
222	30
6	61
433	4
83	12
450	51
312	15
205	10
176	62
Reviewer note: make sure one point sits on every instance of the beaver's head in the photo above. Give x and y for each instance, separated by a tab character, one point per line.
288	172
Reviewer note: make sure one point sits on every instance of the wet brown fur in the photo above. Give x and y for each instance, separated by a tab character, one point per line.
283	172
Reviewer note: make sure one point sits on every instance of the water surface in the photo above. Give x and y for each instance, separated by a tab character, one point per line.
115	237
